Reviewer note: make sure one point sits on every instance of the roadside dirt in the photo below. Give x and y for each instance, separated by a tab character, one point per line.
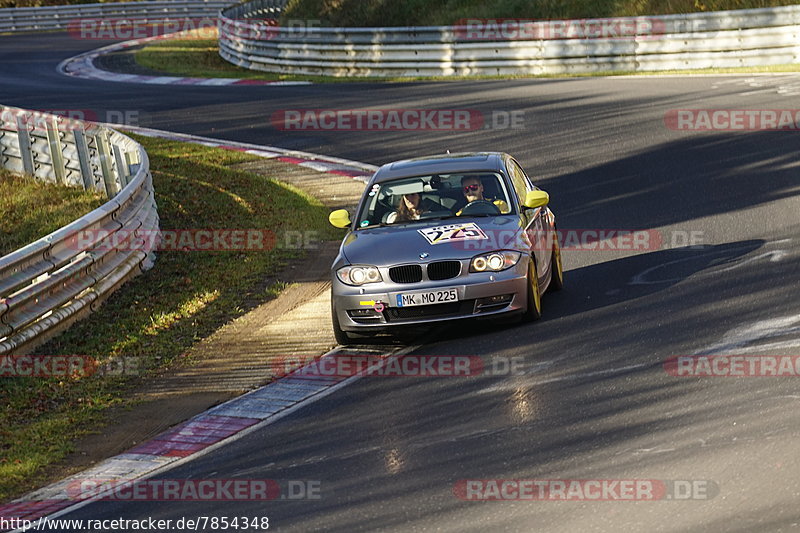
236	358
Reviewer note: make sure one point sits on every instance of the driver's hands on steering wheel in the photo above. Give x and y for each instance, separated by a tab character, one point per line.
500	205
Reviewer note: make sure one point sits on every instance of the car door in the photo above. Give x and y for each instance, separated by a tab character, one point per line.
534	219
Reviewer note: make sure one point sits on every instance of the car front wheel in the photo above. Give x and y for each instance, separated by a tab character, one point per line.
534	309
557	278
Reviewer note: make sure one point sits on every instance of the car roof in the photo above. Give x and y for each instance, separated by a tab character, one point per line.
441	164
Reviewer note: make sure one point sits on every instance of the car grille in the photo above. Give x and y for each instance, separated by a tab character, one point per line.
395	314
406	274
444	270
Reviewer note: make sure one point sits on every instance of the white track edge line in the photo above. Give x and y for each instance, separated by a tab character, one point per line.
150	132
233	438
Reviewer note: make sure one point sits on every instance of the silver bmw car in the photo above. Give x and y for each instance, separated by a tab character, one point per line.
445	237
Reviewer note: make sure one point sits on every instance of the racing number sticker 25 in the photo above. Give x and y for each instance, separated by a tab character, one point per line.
452	233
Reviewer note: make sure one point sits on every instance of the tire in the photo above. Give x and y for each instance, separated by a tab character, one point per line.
341	336
534	310
557	269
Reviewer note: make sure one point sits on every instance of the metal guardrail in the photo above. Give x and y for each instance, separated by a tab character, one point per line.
50	283
753	37
22	19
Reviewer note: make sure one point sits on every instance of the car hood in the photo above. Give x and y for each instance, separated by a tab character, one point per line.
398	244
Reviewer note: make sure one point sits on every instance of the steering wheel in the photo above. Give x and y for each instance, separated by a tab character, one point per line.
480	207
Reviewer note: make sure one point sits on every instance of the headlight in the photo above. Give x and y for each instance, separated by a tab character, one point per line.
494	262
359	275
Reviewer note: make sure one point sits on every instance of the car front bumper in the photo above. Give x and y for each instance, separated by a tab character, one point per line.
373	308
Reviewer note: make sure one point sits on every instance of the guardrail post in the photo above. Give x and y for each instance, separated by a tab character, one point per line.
56	153
106	164
3	148
131	163
82	147
25	146
122	168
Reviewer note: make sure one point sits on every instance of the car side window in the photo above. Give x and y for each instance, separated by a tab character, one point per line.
528	181
518	179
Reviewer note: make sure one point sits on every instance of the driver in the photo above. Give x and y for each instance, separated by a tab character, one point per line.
473	192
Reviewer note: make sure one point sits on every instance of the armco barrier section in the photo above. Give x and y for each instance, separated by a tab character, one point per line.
22	19
50	283
755	37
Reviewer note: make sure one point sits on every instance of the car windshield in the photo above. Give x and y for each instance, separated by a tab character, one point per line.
438	196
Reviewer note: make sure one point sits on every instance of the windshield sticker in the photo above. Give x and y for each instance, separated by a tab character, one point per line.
452	233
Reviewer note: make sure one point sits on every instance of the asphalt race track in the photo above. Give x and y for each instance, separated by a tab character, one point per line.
593	400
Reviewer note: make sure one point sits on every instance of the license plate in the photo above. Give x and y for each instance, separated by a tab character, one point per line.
410	299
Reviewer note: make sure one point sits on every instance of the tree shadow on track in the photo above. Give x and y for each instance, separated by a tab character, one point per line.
679	181
616	282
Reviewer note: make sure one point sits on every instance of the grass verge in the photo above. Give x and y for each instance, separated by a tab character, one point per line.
200	59
31	209
197	58
156	317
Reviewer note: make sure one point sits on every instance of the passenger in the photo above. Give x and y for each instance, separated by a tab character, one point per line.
410	208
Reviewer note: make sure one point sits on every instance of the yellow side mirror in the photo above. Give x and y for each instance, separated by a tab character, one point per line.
536	199
339	218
